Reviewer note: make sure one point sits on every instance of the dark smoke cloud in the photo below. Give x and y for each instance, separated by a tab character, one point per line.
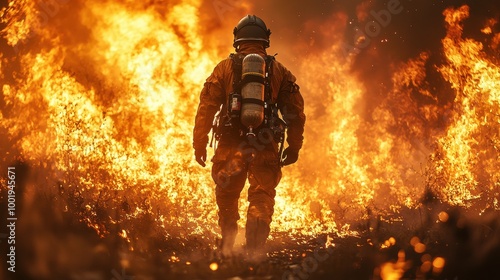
418	27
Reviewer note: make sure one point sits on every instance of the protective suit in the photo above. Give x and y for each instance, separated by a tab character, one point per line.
238	158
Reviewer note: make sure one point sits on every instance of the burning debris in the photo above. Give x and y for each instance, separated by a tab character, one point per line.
400	160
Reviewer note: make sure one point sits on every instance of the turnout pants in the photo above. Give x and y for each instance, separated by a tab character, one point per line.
232	165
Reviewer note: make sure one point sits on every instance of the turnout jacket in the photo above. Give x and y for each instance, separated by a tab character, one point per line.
218	86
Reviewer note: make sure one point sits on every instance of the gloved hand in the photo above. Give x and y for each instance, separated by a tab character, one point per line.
289	156
201	156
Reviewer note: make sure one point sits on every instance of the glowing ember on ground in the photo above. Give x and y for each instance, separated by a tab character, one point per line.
214	266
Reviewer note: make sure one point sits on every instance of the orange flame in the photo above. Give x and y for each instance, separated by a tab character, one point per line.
468	153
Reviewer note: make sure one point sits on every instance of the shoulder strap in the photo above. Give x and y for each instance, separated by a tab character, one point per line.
269	72
237	68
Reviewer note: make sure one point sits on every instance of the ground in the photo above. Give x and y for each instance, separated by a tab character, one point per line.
57	240
463	246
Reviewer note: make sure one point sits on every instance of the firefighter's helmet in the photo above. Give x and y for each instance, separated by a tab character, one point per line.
251	28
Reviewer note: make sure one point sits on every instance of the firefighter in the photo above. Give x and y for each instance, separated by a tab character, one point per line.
244	93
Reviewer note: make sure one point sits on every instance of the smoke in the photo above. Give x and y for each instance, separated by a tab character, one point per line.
301	28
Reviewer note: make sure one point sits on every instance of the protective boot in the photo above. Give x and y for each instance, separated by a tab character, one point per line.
229	232
257	231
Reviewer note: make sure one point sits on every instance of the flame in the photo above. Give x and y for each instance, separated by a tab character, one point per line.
124	128
467	158
104	100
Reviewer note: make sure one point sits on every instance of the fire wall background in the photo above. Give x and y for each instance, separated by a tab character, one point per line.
402	138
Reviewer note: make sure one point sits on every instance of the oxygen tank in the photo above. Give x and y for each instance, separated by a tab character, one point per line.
252	93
